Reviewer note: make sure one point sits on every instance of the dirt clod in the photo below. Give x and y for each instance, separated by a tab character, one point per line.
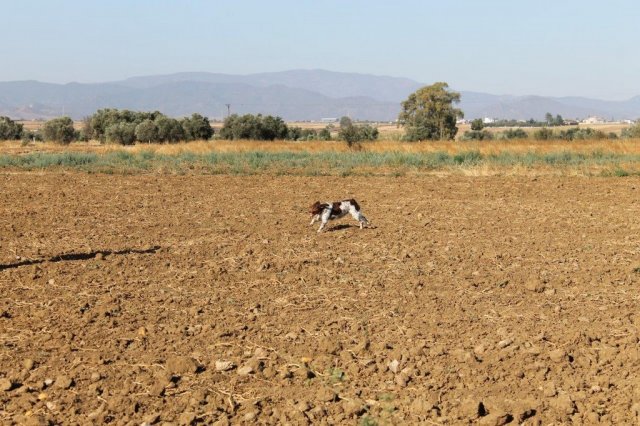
557	355
181	365
534	285
5	385
63	382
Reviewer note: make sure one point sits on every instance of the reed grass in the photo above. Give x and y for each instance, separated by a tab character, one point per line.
379	158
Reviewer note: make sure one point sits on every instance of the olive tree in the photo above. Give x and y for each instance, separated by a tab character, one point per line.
59	130
197	127
429	113
9	129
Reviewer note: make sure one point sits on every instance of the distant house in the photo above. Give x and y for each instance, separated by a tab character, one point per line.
570	122
594	120
488	120
462	121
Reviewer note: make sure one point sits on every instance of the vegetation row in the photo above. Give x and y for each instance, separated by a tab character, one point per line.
306	163
427	114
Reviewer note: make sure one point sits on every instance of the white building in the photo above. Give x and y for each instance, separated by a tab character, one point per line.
594	120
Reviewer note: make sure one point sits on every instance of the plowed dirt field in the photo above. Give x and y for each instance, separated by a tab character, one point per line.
204	299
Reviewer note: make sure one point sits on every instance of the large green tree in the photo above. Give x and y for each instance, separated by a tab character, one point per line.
429	113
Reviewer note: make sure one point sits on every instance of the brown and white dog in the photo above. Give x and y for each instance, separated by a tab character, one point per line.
324	212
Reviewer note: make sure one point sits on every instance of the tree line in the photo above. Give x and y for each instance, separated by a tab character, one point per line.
427	114
126	127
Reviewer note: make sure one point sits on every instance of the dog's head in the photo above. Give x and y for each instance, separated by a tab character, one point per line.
316	208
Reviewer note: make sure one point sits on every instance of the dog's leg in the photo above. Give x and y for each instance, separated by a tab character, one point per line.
324	219
314	218
363	221
357	215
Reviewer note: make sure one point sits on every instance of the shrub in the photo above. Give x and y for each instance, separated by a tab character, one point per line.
95	126
121	133
543	134
256	127
148	126
169	129
513	134
9	129
477	124
197	127
479	135
299	134
632	132
147	131
32	136
353	134
576	133
59	130
324	134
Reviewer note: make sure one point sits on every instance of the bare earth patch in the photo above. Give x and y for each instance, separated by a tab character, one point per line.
208	299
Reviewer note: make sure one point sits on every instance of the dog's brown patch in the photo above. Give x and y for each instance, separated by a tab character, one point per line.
355	204
315	208
335	208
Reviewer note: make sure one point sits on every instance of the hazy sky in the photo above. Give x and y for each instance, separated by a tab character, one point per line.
543	47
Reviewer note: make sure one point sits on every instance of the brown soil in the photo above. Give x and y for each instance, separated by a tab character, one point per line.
203	299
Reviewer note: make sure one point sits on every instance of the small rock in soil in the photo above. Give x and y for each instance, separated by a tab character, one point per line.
5	385
303	406
28	364
549	390
224	365
152	419
504	343
401	380
557	355
260	353
245	371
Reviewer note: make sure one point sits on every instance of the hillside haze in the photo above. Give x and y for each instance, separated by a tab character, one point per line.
293	95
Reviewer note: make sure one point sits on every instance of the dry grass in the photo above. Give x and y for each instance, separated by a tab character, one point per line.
620	146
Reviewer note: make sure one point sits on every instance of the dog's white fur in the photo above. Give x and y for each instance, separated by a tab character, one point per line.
324	212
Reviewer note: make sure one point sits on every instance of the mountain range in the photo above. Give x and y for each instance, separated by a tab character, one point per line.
308	95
